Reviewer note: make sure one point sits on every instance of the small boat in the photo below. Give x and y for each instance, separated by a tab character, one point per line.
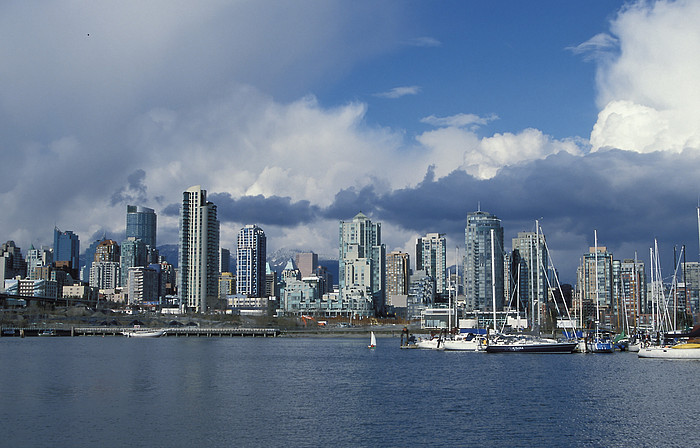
601	345
372	341
143	333
47	333
689	350
468	342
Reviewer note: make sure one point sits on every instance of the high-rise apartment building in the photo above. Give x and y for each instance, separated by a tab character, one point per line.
528	272
362	268
592	284
483	261
198	257
105	274
141	223
632	288
66	251
251	261
431	257
398	275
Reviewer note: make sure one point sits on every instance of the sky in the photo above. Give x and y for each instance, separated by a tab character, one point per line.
583	115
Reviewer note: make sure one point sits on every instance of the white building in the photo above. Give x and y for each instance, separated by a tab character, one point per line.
199	251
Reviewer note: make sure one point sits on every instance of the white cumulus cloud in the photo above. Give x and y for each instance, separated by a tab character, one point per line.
648	93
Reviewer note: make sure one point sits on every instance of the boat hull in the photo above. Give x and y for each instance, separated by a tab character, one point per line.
669	353
565	347
144	334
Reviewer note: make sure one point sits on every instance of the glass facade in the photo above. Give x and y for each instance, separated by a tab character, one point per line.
141	223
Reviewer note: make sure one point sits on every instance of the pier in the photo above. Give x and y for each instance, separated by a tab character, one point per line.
117	331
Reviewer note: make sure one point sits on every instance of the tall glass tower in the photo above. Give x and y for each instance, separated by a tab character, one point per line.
66	250
480	273
251	261
141	223
198	282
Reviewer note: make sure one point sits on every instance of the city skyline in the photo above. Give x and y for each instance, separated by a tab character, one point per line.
581	114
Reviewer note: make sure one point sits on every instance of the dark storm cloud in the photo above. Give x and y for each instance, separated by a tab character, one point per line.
273	210
133	192
630	198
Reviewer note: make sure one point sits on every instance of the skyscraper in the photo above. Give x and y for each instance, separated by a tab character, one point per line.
362	264
251	261
141	223
66	251
431	257
199	251
479	278
397	274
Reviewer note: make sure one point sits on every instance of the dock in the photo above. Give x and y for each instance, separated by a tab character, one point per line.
117	331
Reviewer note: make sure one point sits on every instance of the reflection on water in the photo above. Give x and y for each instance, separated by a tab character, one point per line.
323	392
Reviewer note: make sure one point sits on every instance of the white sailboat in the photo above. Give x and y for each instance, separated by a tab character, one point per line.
372	341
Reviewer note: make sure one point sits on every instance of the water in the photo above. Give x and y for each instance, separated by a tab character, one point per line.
113	391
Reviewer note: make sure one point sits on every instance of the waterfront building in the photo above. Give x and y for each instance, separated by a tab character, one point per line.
301	296
431	257
225	261
66	251
143	285
398	273
529	270
133	254
105	274
362	269
32	288
198	257
251	261
141	223
307	262
478	271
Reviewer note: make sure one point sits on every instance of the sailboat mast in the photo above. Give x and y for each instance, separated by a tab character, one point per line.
493	279
597	301
537	248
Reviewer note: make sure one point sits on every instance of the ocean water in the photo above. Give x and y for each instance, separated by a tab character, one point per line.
317	392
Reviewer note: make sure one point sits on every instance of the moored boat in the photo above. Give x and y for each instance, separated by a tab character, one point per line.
529	344
689	350
143	333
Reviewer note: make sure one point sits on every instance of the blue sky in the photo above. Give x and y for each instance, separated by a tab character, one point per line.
294	115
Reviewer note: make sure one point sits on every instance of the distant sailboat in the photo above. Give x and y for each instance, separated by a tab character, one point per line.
372	341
